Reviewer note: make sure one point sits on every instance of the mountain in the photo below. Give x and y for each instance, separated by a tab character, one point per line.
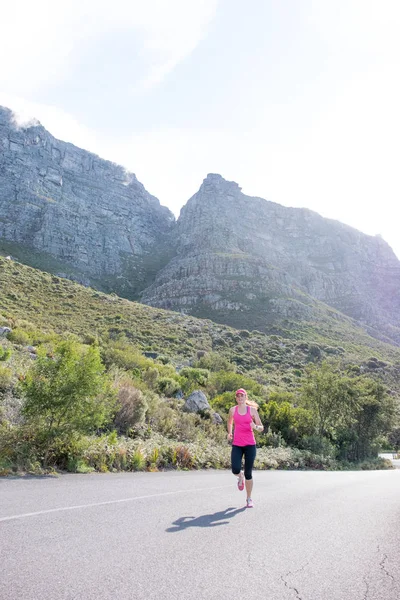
232	258
66	210
253	263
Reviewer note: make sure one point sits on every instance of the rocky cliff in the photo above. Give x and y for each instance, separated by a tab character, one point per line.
252	263
66	210
235	259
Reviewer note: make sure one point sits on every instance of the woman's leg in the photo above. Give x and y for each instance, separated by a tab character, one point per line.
249	458
236	459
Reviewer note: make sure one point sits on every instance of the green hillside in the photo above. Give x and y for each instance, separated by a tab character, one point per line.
153	359
55	304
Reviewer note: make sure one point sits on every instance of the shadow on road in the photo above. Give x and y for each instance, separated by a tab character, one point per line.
212	520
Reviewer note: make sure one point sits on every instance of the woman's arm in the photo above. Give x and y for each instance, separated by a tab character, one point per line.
257	425
230	423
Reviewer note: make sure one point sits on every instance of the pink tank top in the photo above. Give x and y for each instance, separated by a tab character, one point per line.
243	434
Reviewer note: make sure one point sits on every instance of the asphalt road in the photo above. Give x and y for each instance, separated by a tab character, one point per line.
187	535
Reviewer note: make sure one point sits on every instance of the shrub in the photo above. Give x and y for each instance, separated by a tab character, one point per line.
132	408
193	378
163	419
223	402
183	458
67	392
163	359
213	361
5	378
317	445
314	352
19	336
292	423
224	381
394	438
378	463
137	461
150	376
5	353
123	355
168	386
270	438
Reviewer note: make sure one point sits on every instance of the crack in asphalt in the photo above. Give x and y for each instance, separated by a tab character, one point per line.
382	565
383	568
290	587
367	590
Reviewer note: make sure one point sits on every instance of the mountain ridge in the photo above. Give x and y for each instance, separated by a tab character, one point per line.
88	213
239	256
236	259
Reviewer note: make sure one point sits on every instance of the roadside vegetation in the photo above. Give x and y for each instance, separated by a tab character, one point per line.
94	382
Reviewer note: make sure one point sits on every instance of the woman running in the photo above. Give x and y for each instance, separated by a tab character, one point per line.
245	417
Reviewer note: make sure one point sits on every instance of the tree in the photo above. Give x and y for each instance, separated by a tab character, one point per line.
394	438
328	395
373	414
291	422
352	412
68	391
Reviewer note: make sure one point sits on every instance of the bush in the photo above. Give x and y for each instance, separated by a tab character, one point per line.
168	386
281	395
317	445
5	353
394	438
137	461
376	464
193	378
150	376
292	458
67	392
124	356
19	336
272	439
132	408
223	402
292	423
212	361
224	381
164	360
5	378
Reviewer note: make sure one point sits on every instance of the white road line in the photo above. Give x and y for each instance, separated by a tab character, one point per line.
131	499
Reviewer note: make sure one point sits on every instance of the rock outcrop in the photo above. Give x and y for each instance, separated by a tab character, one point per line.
71	212
196	402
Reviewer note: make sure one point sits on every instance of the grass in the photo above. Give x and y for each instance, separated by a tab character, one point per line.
51	303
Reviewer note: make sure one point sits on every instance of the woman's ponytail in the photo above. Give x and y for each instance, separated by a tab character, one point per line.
251	403
248	402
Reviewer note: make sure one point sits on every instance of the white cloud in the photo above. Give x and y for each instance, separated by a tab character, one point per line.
38	38
171	31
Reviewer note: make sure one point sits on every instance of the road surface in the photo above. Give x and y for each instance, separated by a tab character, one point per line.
186	535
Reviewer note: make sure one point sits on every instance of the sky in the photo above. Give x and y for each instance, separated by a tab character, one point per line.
298	101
